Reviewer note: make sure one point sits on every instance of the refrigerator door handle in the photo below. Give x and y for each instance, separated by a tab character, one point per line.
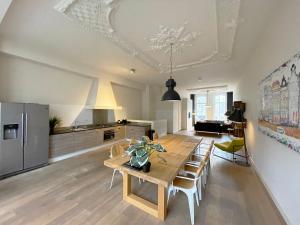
22	130
26	129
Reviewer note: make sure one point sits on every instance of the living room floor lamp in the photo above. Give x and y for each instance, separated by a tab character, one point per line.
238	117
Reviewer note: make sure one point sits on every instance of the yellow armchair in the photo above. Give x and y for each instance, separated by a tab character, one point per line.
231	146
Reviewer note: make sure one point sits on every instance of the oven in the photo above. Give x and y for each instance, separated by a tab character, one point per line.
109	135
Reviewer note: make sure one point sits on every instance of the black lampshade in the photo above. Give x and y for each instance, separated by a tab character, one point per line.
171	94
228	113
237	116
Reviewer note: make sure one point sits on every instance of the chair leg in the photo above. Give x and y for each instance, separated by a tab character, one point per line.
190	196
199	189
204	176
207	170
209	161
112	179
197	197
222	157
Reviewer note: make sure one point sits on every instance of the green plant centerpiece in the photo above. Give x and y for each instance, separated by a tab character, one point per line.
140	153
53	122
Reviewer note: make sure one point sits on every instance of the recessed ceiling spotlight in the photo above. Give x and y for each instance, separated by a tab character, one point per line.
132	71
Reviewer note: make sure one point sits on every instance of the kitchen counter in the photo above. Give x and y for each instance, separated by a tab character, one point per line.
64	130
67	141
138	124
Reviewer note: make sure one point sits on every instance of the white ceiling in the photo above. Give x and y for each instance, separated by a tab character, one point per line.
212	38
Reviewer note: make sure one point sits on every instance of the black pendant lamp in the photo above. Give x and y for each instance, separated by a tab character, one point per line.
237	116
171	94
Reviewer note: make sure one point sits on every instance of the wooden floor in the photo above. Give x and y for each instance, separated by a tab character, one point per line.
75	191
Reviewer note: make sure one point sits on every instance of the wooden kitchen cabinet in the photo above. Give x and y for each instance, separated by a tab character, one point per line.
86	139
137	132
61	144
100	136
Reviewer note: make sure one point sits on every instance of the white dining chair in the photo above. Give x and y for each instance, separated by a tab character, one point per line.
191	168
188	185
196	157
202	148
192	165
115	150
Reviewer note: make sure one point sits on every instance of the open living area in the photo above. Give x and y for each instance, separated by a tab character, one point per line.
153	112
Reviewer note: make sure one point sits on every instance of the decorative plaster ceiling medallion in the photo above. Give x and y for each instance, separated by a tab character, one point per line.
93	14
179	37
99	16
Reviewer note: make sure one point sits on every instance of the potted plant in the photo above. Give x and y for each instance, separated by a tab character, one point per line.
140	153
53	122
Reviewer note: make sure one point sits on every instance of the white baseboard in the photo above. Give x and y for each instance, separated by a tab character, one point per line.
77	153
276	203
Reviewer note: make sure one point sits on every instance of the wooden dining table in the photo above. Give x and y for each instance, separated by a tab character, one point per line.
164	168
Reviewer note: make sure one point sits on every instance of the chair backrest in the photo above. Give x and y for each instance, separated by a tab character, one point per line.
198	146
116	150
199	172
211	145
203	163
206	157
236	144
208	153
238	141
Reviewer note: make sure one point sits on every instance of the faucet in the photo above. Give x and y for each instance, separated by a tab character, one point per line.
75	125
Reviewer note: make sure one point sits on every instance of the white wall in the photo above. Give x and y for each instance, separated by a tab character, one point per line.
186	110
164	110
278	166
160	110
66	92
130	99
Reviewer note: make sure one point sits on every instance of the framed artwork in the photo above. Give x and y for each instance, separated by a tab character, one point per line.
280	104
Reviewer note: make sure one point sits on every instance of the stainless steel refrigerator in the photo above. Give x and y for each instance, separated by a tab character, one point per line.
24	137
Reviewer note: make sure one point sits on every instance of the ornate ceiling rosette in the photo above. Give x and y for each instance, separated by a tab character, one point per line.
144	29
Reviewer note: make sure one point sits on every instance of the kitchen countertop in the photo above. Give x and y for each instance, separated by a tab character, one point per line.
65	130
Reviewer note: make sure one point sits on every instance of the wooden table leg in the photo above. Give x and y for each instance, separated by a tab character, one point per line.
162	202
126	185
159	210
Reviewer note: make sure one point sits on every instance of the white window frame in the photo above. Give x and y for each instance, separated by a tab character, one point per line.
197	107
221	115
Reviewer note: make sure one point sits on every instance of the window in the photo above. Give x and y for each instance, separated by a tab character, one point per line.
219	107
200	107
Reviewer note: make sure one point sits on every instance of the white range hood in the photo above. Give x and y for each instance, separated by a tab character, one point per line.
101	96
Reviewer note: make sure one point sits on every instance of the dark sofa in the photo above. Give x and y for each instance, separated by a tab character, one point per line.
211	126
